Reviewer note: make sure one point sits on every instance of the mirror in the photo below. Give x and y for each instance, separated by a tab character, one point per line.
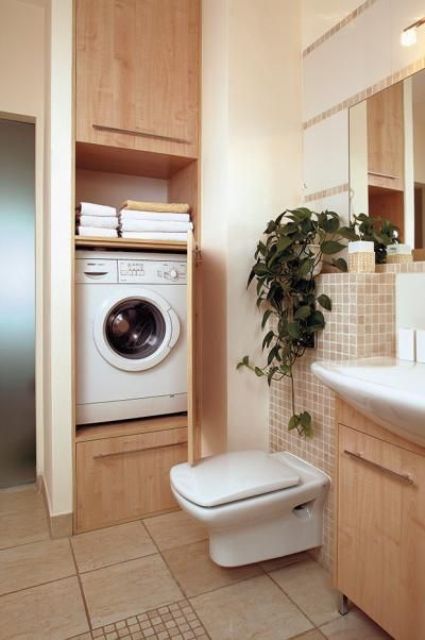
387	158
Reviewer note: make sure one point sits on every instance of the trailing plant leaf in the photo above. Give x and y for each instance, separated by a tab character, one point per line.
340	264
286	292
325	302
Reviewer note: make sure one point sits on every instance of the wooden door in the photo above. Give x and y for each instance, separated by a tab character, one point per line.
385	137
381	539
137	74
194	430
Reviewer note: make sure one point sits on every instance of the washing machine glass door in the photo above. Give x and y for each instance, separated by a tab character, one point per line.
136	333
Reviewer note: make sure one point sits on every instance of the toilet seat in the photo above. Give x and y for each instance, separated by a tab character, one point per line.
229	477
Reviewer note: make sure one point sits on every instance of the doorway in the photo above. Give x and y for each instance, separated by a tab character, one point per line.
17	315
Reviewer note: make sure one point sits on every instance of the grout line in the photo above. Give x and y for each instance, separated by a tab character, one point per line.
39	584
114	564
25	544
293	601
83	595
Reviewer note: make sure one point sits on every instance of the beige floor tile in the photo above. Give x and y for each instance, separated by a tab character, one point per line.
104	547
175	529
354	626
284	561
311	635
255	608
123	590
52	611
196	573
23	517
32	564
308	585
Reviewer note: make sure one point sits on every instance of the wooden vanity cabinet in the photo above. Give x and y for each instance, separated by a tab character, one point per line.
380	554
137	74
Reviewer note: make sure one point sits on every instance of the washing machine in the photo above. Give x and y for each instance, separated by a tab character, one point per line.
130	335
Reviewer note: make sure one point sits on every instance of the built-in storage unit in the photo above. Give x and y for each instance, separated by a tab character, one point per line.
137	89
385	141
380	560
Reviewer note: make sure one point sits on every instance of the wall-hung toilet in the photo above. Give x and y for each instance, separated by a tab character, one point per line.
255	505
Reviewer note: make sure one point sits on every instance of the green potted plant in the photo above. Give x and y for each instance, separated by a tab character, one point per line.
380	231
286	262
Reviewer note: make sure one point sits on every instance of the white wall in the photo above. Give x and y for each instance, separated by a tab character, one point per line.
363	52
22	50
59	205
251	148
410	300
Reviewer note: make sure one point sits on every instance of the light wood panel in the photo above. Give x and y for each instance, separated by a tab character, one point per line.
126	243
99	157
381	525
138	68
385	136
125	478
130	427
194	427
183	186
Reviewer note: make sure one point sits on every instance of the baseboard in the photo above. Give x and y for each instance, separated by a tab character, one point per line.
60	524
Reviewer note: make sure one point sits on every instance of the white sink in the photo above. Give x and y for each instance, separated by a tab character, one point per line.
390	392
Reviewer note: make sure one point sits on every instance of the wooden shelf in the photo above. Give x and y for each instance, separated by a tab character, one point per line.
127	243
150	164
99	431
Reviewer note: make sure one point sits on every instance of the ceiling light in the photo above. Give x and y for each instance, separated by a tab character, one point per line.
409	34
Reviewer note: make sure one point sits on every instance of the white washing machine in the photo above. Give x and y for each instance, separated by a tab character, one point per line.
131	335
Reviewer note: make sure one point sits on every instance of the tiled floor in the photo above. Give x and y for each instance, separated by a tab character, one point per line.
153	580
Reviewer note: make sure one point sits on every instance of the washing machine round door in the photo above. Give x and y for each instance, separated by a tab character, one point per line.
137	332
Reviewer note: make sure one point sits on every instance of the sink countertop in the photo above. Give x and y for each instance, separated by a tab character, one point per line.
389	391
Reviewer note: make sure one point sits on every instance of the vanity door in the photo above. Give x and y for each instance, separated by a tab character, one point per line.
381	532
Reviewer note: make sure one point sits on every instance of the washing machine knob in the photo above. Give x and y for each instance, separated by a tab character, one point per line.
174	274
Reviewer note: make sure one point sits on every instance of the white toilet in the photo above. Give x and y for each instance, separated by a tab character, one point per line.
255	505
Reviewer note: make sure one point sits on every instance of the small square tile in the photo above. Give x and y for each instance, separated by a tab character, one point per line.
174	530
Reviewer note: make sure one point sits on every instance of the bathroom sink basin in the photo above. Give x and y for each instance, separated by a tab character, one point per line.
390	392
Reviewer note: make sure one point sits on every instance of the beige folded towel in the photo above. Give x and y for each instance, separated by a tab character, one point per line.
159	207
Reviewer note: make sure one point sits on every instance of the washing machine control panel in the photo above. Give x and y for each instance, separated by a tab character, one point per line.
150	272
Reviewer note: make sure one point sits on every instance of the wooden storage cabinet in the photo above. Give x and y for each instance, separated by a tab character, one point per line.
137	74
124	478
381	526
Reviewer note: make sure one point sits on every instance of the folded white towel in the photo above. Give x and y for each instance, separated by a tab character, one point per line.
154	236
133	214
92	209
165	226
106	222
97	232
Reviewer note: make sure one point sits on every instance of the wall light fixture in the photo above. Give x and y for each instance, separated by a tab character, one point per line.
409	34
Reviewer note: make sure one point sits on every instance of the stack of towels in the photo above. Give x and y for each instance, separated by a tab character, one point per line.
155	220
97	220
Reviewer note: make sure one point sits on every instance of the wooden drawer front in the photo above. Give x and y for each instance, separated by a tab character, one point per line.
125	478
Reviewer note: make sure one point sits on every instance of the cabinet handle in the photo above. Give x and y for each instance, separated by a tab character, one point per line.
403	477
382	175
138	132
101	456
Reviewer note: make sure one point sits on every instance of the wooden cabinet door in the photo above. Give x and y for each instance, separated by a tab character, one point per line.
381	534
385	136
137	74
119	479
193	417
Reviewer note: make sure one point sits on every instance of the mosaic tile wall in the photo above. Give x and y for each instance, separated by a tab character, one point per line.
361	324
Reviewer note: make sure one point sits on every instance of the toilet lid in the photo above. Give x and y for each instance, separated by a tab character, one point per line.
232	476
